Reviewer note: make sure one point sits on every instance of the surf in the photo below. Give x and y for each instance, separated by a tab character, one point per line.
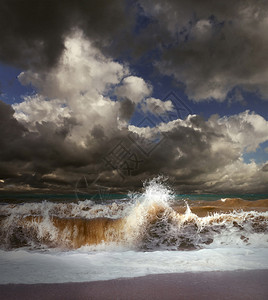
148	221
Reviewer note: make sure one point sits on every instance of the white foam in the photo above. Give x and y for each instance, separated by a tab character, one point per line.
27	267
84	209
171	229
233	243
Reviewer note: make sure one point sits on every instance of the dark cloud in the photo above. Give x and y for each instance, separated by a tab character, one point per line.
210	47
213	47
10	128
24	153
265	168
97	132
71	127
196	154
32	32
186	155
126	109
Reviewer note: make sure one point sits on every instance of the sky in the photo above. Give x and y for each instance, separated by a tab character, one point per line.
106	95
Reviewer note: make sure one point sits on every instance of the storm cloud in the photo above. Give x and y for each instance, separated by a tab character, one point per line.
74	54
64	131
32	32
214	48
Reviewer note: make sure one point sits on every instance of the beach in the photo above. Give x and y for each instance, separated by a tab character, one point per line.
153	245
133	149
244	284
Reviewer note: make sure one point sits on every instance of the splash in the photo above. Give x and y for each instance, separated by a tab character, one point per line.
148	221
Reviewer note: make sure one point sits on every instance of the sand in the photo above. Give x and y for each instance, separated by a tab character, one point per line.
202	285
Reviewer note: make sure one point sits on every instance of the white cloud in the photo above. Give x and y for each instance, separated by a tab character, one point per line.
134	88
37	109
82	69
156	106
247	130
237	176
202	30
76	88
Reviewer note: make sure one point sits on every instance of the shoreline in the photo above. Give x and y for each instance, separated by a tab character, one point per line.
244	284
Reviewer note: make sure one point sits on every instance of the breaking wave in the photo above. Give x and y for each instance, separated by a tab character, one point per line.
150	221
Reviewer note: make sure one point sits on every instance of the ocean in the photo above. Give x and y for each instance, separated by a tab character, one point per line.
61	238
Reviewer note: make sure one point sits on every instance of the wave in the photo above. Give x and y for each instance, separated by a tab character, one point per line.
150	221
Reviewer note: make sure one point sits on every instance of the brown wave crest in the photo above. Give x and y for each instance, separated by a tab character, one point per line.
75	232
204	208
146	226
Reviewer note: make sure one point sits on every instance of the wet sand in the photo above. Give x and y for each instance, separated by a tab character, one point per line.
202	285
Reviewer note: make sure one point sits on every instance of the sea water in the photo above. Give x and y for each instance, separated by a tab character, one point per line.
152	232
